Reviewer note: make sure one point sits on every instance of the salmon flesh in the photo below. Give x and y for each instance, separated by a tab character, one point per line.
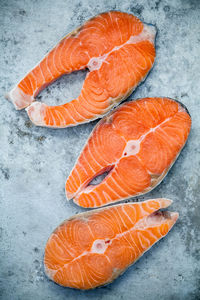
117	49
93	248
136	145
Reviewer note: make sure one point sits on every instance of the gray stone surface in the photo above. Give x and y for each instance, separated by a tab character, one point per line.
34	162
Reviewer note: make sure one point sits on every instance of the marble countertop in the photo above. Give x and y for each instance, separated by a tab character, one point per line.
34	162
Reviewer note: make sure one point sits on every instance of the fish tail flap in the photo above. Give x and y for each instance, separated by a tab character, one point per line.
19	99
152	228
165	202
37	112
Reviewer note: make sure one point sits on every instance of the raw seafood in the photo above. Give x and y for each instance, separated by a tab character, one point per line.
136	145
117	48
93	248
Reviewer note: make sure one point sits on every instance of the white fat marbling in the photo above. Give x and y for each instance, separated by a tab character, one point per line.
148	33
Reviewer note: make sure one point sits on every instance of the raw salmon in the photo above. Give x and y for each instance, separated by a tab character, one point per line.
93	248
136	145
117	49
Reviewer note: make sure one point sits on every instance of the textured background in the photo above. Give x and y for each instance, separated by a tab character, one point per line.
34	162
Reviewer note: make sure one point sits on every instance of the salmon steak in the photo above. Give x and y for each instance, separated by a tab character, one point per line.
117	49
91	249
135	146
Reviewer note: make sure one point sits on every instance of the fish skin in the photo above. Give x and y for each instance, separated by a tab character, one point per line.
157	129
116	47
81	255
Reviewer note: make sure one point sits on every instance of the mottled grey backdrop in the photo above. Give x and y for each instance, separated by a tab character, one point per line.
34	162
